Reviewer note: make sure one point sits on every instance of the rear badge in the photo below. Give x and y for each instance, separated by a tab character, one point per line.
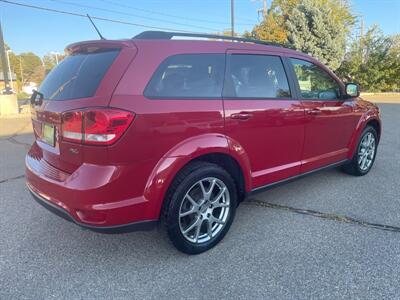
73	150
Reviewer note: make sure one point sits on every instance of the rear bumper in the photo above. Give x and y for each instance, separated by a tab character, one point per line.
136	226
106	198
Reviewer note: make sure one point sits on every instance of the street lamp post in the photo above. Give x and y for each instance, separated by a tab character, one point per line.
55	55
21	70
9	69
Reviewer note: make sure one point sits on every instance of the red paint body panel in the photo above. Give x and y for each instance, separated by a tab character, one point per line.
328	133
272	138
127	181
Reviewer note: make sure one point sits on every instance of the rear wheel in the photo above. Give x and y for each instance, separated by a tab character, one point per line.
200	207
365	154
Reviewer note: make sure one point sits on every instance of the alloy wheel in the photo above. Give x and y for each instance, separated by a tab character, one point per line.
204	210
366	151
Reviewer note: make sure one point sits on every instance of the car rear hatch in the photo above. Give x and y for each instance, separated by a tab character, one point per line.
82	83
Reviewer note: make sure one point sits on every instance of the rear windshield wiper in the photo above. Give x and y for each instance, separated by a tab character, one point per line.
36	98
61	88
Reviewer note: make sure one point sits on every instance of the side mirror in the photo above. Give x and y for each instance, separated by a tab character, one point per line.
352	90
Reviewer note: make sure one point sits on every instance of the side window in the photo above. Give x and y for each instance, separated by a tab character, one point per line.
188	76
256	76
314	82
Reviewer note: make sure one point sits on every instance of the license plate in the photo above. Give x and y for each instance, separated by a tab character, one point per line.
48	134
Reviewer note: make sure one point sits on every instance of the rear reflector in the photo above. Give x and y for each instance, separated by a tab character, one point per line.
97	126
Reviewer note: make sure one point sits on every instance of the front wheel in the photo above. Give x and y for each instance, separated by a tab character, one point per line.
365	154
200	207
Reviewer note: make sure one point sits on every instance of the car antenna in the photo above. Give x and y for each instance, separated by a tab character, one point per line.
95	27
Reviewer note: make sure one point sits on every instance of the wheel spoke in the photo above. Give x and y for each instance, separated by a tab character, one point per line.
203	190
197	232
368	139
194	203
216	220
364	142
189	212
219	204
218	197
368	163
209	193
209	228
194	224
371	153
364	160
372	146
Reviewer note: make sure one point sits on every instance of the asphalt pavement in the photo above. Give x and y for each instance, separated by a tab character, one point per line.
296	241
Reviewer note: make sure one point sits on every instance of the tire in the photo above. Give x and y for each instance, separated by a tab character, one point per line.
362	163
202	196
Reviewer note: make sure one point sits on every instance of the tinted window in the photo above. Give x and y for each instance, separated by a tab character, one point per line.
314	82
256	76
188	76
77	76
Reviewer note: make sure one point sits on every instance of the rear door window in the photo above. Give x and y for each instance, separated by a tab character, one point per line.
188	76
78	75
256	76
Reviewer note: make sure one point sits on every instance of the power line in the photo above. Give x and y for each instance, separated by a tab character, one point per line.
133	15
169	15
93	17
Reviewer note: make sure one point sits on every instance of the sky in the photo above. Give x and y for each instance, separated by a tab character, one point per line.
29	29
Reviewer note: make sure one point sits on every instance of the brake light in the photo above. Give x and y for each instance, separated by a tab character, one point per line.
98	126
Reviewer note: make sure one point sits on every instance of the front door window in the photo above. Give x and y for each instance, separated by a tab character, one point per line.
314	82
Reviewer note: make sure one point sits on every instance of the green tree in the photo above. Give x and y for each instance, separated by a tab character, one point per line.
393	71
272	28
32	67
50	61
15	64
317	27
373	61
314	27
28	67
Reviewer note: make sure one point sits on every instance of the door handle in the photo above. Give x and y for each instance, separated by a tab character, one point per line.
241	116
314	111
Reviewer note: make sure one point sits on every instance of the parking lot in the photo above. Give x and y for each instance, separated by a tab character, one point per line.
322	236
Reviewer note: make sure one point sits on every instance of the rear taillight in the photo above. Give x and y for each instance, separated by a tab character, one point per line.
72	129
97	126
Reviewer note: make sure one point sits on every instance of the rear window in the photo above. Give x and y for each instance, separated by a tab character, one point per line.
78	75
188	76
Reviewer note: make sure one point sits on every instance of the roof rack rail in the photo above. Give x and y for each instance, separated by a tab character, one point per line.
166	35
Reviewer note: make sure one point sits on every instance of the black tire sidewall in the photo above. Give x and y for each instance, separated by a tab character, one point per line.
173	228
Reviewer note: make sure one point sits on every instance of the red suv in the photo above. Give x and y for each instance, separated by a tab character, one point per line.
130	132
